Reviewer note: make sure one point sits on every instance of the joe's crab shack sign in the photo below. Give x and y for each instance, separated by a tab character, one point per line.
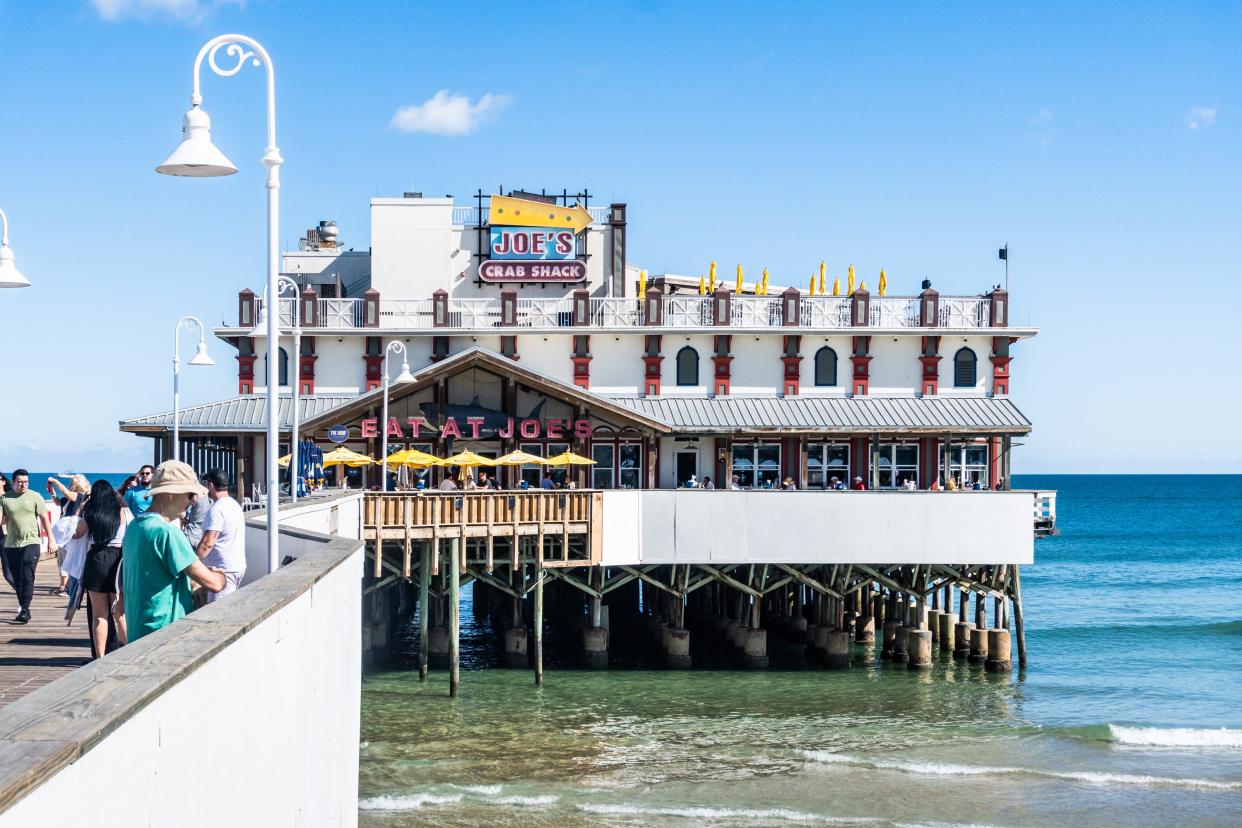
476	428
533	242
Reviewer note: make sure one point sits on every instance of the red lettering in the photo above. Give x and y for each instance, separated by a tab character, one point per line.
555	429
369	427
537	244
415	423
582	429
521	243
450	428
502	245
474	423
506	431
564	242
529	429
394	428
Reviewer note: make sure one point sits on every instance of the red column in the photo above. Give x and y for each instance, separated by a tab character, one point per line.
994	462
581	359
860	459
723	361
862	367
651	365
374	362
245	374
306	367
929	461
1000	365
792	360
930	357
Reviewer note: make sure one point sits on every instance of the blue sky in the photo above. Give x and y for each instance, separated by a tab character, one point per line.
1100	140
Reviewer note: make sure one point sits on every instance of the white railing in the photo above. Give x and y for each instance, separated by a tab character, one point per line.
340	313
964	312
406	313
688	312
825	312
545	313
616	313
894	312
1046	507
472	216
818	312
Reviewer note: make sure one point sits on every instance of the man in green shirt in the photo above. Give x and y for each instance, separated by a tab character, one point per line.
157	562
21	512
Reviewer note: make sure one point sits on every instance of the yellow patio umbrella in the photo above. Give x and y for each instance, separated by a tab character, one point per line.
764	289
569	459
850	284
863	287
466	458
883	282
836	286
642	284
711	277
412	457
702	287
518	458
823	268
812	284
739	279
341	456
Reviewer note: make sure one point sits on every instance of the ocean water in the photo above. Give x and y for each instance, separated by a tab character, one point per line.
1130	712
38	480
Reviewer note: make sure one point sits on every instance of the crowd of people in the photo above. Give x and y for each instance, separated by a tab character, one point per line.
132	556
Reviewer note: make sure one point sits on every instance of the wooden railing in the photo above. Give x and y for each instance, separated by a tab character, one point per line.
435	515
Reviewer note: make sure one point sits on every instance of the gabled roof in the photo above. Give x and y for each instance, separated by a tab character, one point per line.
244	413
888	415
499	364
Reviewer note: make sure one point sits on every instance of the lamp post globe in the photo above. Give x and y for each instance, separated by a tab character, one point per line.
10	276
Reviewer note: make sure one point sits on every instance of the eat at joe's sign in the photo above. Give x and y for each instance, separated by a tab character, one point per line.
527	428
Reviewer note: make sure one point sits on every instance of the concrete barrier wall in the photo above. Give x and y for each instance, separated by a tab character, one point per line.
245	712
339	515
695	526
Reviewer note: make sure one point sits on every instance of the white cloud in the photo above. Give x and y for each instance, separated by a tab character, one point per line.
191	11
1042	123
1043	117
446	114
1200	116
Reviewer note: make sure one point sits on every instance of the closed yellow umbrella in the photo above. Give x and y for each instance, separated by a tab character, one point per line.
764	290
702	286
883	282
642	284
739	279
863	287
711	277
466	458
518	458
823	268
850	284
569	459
836	286
812	284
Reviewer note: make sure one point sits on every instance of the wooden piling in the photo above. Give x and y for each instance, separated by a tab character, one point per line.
424	610
454	575
539	620
1017	617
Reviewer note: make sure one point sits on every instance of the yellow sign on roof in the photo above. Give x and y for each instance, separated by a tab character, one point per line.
521	212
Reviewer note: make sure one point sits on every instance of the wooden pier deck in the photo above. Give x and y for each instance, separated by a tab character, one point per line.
42	651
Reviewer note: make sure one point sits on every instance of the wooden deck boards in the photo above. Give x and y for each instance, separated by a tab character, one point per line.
42	651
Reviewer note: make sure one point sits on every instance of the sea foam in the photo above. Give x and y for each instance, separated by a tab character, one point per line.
731	814
1177	736
407	802
1085	777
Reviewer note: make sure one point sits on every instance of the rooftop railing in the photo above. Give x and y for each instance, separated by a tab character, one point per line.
677	311
473	216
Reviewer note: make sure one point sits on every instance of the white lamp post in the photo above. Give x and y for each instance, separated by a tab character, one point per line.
10	277
405	375
196	156
200	358
259	331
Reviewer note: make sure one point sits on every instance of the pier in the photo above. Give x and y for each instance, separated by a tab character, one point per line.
779	578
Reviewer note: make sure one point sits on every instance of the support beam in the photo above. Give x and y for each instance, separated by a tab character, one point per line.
454	617
538	623
803	578
424	583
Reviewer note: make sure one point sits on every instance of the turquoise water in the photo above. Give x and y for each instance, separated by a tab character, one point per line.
38	480
1129	713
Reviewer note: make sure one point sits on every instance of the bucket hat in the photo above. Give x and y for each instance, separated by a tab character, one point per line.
175	477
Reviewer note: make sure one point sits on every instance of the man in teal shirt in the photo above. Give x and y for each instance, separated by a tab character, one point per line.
157	562
138	498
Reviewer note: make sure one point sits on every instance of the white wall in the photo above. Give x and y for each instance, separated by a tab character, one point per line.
669	347
337	516
895	367
757	366
263	732
340	368
412	246
617	366
695	526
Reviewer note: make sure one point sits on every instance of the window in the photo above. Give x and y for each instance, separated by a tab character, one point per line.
825	366
534	473
629	466
617	465
284	368
757	465
898	462
604	455
687	366
964	369
825	461
969	464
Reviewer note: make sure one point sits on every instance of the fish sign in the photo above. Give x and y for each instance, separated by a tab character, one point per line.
520	212
532	243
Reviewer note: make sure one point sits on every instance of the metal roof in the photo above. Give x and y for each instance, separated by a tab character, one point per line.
939	414
245	413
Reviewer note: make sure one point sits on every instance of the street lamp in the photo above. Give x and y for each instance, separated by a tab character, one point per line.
405	375
259	331
10	277
200	358
198	157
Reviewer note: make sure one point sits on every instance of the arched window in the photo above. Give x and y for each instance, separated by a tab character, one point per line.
284	368
825	366
687	366
964	368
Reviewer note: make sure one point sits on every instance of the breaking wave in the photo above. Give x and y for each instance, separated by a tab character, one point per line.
407	802
742	815
1222	737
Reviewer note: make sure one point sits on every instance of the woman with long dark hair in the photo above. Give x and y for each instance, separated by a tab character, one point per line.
103	518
